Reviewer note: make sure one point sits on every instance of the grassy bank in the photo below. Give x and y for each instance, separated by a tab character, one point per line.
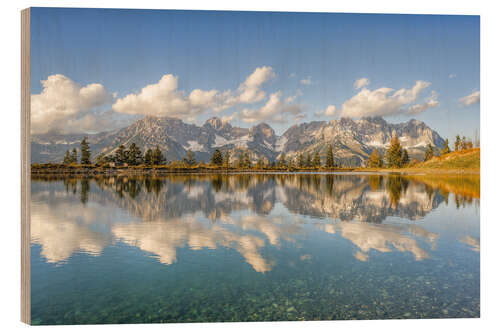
461	162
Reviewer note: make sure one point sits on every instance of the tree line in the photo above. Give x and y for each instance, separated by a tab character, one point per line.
132	156
397	157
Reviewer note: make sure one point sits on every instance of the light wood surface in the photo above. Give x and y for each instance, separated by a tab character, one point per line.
25	167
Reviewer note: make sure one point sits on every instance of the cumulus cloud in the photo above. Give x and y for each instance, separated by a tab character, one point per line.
388	102
471	99
307	81
275	110
452	76
360	83
330	111
165	99
431	102
64	105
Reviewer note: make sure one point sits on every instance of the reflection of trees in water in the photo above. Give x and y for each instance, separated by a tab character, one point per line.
396	186
368	198
84	190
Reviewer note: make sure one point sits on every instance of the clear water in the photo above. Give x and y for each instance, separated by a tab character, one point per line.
192	248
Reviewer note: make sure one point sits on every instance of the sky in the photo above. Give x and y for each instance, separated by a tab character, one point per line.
101	69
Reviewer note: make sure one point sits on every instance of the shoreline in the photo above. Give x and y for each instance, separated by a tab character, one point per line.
94	171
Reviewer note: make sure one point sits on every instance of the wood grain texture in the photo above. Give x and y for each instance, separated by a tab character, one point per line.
25	167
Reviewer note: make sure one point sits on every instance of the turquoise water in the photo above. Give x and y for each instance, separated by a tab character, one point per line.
198	248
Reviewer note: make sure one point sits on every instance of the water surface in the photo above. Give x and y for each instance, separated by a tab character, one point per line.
191	248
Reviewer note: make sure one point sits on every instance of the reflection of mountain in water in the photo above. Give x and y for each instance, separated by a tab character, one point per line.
361	198
239	212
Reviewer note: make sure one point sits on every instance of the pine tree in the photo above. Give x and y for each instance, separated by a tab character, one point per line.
463	143
405	158
446	148
121	155
282	162
217	158
429	153
457	143
308	161
246	161
241	161
260	163
394	153
316	162
189	159
227	159
84	148
375	161
330	162
101	159
134	156
148	157
158	158
74	156
67	158
300	160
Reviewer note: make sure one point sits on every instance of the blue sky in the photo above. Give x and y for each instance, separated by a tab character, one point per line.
309	62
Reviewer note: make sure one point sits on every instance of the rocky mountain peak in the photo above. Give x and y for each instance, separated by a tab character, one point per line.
216	123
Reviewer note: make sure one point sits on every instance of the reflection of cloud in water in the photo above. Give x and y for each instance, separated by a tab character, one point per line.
164	237
64	230
472	242
361	256
382	238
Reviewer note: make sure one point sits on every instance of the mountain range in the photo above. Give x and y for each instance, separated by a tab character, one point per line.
352	140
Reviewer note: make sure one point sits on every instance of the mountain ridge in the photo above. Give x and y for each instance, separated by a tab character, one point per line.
352	140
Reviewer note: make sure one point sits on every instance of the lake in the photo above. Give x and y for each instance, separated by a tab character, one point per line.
254	247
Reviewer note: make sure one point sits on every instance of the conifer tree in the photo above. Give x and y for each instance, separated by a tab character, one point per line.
394	153
446	148
300	160
217	158
308	161
121	154
84	148
405	158
101	159
148	157
330	162
74	156
134	156
246	161
241	161
260	163
282	162
158	158
67	158
189	159
375	161
457	143
316	162
429	153
227	159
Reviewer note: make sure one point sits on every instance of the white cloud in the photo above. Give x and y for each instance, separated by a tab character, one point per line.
452	76
307	81
64	105
387	102
330	111
471	99
275	110
165	99
431	102
360	83
292	75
